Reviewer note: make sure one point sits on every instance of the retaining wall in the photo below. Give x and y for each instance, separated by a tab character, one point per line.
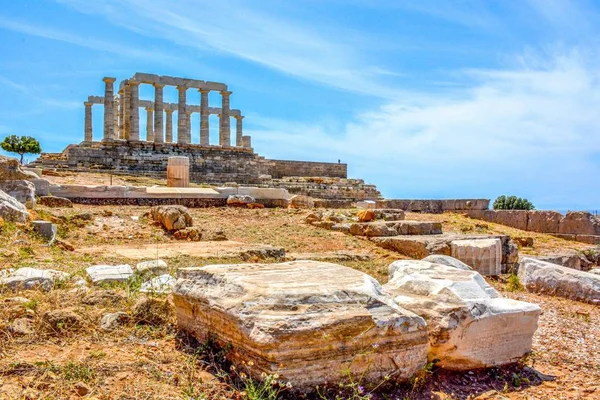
434	206
281	168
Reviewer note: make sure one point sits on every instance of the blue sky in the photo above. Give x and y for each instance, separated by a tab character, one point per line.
425	99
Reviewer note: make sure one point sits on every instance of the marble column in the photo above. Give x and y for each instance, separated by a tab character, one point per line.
109	102
238	130
150	124
126	111
169	133
181	116
134	107
116	118
188	125
246	141
88	137
204	131
225	129
121	114
158	113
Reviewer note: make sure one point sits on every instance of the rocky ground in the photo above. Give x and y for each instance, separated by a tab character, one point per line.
144	357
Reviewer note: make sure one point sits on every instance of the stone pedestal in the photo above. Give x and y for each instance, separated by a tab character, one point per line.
246	141
483	255
178	172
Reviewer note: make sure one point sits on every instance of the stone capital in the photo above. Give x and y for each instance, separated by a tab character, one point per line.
204	91
240	117
108	79
88	103
134	83
149	109
182	88
158	85
225	93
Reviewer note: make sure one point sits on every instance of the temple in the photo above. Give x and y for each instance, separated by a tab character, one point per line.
123	149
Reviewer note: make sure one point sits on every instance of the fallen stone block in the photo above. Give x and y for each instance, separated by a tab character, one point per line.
418	228
566	260
307	321
162	284
11	210
389	214
45	229
112	321
546	278
22	191
109	273
152	267
237	200
42	187
365	215
31	278
172	218
483	255
448	261
301	201
595	271
470	325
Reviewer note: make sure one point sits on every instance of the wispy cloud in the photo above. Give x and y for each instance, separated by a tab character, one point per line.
525	131
234	28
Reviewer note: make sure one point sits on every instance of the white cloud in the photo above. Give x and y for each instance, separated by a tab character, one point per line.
531	132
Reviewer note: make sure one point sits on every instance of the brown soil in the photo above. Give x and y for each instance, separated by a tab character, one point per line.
154	362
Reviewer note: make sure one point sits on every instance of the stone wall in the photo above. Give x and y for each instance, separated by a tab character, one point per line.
434	206
282	168
581	226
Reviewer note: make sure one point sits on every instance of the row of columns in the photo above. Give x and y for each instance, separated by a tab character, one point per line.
123	122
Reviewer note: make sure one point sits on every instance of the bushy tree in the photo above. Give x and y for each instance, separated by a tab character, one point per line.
21	145
512	203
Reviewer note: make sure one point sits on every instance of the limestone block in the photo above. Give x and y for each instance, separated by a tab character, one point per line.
389	214
30	278
45	229
447	260
172	218
23	191
301	201
579	223
109	273
240	200
483	255
305	320
595	271
11	209
264	193
365	215
546	278
162	284
566	260
470	325
178	172
514	218
544	221
42	187
366	205
418	228
152	267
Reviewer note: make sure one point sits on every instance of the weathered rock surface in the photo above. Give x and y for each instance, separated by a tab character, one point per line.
544	221
595	271
365	215
418	228
301	201
109	273
238	200
152	311
389	214
55	202
11	209
152	267
580	223
483	255
21	327
162	284
45	229
30	278
470	325
112	321
191	233
448	261
42	187
172	218
543	277
11	170
62	319
304	320
22	191
566	260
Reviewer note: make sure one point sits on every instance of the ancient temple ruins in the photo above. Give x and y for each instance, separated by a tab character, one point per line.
123	149
122	112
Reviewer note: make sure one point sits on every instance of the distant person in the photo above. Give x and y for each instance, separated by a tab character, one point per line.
339	162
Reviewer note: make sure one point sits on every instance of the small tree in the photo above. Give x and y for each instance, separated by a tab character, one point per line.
512	203
21	145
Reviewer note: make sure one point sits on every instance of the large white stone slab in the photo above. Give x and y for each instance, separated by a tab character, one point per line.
152	267
11	209
470	325
483	255
29	278
109	273
307	321
552	279
161	284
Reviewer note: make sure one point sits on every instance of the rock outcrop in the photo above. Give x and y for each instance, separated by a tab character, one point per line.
307	321
470	325
543	277
10	170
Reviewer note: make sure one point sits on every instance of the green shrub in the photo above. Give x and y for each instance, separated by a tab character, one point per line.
512	203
